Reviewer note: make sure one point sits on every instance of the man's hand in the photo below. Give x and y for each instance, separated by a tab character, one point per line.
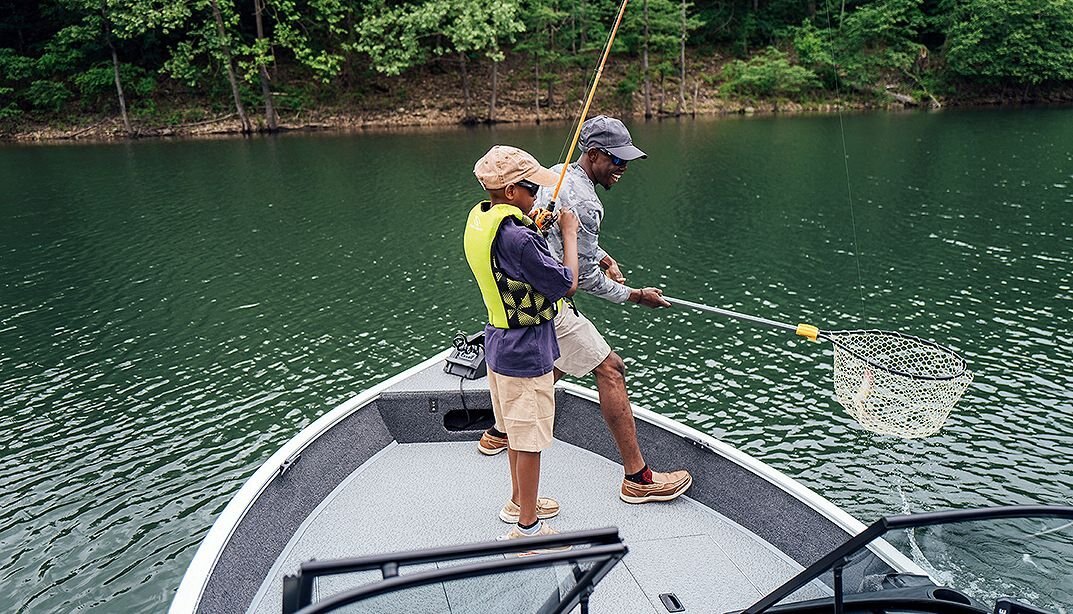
610	267
649	297
568	223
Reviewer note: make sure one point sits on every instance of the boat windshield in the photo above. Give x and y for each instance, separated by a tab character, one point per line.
1017	560
494	577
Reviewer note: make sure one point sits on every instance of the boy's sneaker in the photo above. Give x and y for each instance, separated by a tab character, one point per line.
664	487
491	444
546	508
514	533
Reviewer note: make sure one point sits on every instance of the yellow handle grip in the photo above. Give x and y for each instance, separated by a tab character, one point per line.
808	331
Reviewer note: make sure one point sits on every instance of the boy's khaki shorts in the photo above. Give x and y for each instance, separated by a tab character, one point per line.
525	408
581	347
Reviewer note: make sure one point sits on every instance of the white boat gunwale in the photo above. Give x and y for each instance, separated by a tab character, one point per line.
196	578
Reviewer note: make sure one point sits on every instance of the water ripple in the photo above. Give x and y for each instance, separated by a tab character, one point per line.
171	313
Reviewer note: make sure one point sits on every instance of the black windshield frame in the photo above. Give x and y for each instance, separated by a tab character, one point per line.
837	558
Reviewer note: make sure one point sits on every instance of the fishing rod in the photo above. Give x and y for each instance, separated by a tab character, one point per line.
545	217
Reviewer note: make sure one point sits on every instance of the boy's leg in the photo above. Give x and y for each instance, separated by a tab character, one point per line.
512	456
526	468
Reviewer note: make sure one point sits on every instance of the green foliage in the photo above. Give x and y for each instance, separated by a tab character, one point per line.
768	74
15	67
879	39
626	87
323	51
47	95
8	108
97	84
393	36
1015	41
813	46
400	36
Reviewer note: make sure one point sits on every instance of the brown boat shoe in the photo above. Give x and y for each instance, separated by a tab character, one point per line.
490	445
546	508
664	487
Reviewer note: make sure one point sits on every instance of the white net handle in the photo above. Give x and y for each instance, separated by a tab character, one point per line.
891	383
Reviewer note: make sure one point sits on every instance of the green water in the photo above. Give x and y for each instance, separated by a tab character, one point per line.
172	312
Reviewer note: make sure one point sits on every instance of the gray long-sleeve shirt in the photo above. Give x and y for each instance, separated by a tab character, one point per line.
578	194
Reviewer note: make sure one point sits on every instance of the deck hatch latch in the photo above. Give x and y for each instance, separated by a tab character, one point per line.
671	602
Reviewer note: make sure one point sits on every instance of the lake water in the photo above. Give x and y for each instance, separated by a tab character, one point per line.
172	312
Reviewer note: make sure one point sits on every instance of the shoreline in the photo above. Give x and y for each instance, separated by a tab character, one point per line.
439	101
110	129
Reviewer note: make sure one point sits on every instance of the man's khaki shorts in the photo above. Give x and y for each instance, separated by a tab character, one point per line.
525	408
581	347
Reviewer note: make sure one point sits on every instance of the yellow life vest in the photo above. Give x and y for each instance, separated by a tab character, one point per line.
511	303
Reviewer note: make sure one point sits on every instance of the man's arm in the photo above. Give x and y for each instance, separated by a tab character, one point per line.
591	276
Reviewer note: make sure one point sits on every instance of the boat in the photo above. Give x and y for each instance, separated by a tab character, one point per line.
384	505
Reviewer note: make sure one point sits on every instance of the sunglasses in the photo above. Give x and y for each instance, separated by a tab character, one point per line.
530	186
617	161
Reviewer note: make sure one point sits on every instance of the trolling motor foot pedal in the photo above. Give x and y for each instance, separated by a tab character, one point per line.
467	359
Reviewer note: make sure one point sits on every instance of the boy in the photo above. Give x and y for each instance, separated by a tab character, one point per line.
520	282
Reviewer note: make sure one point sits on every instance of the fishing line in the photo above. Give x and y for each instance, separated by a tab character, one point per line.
845	153
544	217
564	153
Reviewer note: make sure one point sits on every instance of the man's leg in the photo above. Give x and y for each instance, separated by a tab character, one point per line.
615	407
641	484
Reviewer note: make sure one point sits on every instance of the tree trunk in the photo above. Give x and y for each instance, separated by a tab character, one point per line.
581	27
115	69
662	91
271	119
492	100
551	80
644	67
536	91
465	86
682	64
229	63
696	92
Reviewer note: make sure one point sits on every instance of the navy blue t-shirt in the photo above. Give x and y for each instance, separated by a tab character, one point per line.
529	351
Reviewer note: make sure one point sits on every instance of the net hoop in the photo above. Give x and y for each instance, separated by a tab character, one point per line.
896	384
961	367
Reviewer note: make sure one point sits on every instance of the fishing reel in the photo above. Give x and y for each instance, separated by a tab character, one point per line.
544	218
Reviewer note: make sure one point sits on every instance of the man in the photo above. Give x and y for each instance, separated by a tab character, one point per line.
608	149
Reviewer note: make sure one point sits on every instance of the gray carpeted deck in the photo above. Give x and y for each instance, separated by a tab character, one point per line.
423	495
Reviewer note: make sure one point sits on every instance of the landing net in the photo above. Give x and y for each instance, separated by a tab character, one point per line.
896	384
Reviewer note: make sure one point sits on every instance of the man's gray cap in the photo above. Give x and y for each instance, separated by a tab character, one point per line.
610	135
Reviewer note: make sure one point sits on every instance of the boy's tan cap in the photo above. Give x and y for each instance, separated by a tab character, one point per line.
503	165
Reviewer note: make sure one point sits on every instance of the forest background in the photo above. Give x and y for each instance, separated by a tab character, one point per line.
124	68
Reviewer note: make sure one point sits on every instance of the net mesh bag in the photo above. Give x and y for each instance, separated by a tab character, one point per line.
896	384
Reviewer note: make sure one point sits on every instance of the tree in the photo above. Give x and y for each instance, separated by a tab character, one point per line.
262	54
475	26
394	36
1024	42
223	48
542	43
654	34
686	24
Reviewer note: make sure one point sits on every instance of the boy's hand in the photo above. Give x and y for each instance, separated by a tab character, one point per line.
568	223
